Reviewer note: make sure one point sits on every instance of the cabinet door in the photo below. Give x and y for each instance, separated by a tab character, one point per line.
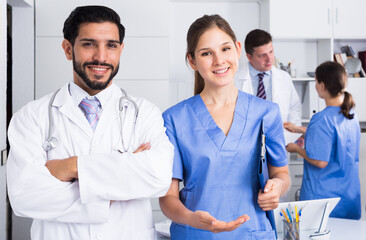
299	19
357	86
3	79
349	17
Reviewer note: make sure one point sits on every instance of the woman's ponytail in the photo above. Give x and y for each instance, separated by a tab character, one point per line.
347	105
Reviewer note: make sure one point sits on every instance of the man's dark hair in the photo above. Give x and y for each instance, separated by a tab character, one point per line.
90	14
256	38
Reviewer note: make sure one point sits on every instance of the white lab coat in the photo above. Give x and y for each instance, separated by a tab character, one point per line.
82	209
283	92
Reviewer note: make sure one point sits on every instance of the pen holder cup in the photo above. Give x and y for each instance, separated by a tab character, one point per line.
291	230
287	69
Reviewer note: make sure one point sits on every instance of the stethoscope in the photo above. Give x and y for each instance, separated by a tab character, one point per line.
124	102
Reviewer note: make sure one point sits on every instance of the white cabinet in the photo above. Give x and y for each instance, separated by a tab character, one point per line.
309	32
349	19
357	86
296	173
297	18
313	19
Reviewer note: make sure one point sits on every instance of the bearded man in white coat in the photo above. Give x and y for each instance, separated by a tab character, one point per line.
77	166
276	84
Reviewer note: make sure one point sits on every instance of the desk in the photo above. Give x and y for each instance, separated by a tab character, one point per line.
340	229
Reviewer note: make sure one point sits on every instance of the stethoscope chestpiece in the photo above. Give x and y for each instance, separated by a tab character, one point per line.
50	144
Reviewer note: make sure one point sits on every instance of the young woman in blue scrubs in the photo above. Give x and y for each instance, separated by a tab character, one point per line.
332	143
216	135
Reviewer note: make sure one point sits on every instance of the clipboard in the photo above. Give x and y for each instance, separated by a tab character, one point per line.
263	173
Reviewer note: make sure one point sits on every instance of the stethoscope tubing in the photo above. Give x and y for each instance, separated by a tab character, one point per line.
51	142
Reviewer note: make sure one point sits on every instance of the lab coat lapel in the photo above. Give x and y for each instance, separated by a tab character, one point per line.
110	111
276	88
247	81
65	105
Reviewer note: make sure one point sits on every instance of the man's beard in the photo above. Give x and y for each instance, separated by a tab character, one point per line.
80	70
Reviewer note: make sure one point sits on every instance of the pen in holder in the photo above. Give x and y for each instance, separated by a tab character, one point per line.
291	230
287	68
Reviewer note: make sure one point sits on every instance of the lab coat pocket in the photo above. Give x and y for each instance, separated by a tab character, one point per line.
149	234
263	235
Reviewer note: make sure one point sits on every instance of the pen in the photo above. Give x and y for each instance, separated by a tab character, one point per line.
296	213
289	215
284	214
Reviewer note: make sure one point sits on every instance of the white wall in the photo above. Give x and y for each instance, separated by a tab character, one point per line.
23	79
23	56
242	16
3	36
143	68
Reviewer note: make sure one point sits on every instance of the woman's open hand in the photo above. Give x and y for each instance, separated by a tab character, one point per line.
203	220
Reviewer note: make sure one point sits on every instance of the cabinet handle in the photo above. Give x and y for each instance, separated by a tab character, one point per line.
298	175
336	20
328	15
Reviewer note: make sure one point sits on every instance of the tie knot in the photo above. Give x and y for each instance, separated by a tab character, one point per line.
90	106
260	75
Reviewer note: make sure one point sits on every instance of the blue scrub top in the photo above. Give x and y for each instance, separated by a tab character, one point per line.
219	171
333	138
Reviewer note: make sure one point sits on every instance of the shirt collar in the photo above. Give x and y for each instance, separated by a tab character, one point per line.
78	94
254	72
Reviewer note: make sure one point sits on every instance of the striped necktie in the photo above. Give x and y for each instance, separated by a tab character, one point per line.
90	108
261	93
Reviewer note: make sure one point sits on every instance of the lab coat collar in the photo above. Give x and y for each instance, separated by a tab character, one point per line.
254	72
276	85
78	94
65	104
244	75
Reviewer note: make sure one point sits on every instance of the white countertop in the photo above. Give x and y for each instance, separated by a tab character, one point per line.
340	229
344	229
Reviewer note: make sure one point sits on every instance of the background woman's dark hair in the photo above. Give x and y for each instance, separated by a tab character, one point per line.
334	77
196	30
90	14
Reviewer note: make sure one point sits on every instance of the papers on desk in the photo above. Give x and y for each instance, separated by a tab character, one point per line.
291	137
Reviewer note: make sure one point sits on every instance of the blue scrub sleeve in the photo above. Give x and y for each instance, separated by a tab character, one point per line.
275	139
177	160
319	139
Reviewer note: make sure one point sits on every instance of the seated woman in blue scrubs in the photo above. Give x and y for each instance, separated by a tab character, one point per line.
332	144
216	135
